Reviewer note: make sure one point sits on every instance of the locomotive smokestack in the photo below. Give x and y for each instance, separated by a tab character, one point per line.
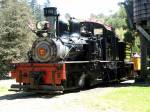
51	16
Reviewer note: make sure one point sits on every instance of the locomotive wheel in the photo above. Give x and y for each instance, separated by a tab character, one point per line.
72	80
110	77
81	82
84	81
106	76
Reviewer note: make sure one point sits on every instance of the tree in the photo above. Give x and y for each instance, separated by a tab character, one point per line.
122	21
118	20
34	5
15	35
37	10
47	3
1	3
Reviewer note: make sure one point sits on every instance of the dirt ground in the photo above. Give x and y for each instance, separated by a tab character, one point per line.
80	101
7	83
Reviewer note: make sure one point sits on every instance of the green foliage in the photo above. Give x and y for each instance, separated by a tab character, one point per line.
15	36
47	3
129	36
136	46
118	20
37	10
120	33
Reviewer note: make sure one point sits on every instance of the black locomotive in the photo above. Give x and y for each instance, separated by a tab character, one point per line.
72	54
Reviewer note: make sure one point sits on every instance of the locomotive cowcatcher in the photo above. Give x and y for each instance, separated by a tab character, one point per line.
71	54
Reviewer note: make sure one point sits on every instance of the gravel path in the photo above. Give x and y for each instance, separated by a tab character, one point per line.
83	101
7	83
71	102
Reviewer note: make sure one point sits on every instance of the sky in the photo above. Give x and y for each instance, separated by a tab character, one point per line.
82	9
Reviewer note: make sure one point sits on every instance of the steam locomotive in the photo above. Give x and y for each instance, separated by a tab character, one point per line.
70	55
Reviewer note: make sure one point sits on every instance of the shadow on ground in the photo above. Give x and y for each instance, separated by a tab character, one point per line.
24	95
28	95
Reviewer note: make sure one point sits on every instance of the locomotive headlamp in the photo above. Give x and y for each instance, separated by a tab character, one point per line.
42	25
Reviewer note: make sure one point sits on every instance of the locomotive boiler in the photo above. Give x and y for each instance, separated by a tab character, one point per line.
71	54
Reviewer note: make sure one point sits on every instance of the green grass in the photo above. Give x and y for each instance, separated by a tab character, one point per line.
119	99
3	90
128	99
